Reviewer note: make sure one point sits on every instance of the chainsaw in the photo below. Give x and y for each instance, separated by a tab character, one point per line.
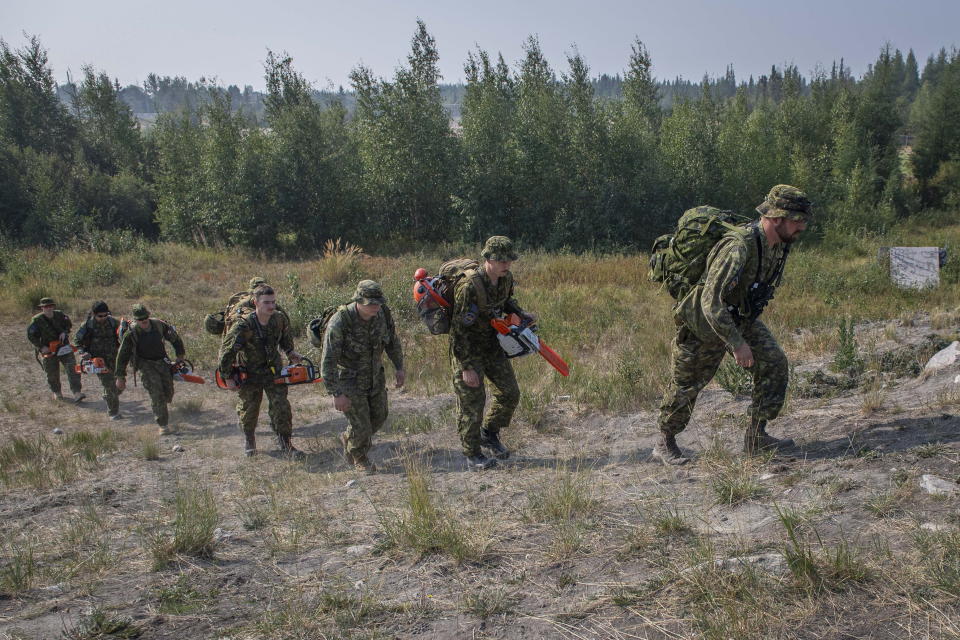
92	365
517	338
232	382
182	371
303	373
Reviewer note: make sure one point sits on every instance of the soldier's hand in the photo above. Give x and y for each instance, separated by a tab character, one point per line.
341	403
121	383
470	378
744	356
530	317
401	376
294	357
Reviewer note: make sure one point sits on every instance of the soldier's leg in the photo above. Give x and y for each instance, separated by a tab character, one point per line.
281	415
378	408
470	401
359	429
51	367
506	394
69	362
771	372
249	398
152	378
111	395
694	364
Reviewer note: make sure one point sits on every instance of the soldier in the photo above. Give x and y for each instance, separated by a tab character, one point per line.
143	343
97	338
254	342
475	353
720	315
353	344
53	326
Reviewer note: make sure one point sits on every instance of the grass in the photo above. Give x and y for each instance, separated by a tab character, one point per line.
566	496
195	516
181	597
425	525
148	445
733	480
40	462
99	624
486	602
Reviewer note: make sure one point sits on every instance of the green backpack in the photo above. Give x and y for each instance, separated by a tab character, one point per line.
677	260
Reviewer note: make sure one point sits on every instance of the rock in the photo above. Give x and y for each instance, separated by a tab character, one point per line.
358	585
767	476
56	588
220	535
773	563
937	486
58	431
359	549
944	357
935	526
349	484
178	448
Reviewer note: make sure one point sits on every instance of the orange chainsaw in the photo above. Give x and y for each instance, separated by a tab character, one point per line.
517	339
232	382
58	349
183	372
92	365
302	373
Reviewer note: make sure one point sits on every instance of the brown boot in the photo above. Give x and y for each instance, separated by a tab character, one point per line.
756	439
346	448
667	451
287	448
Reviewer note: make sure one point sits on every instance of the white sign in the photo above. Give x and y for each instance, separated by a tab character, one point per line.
915	267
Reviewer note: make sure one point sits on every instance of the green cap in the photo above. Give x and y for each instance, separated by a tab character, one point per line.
256	281
785	201
499	249
140	312
46	302
369	292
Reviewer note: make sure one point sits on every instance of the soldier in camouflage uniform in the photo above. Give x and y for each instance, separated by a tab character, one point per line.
720	315
254	342
143	343
53	325
475	353
97	338
352	367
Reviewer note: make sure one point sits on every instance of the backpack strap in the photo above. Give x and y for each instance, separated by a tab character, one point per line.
479	287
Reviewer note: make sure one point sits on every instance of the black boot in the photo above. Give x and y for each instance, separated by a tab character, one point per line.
480	461
491	440
287	448
250	444
667	451
756	439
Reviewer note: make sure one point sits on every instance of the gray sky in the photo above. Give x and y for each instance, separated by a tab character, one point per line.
229	40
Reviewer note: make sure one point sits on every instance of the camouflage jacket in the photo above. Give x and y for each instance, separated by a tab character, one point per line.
718	307
352	360
99	339
138	344
42	330
255	346
472	339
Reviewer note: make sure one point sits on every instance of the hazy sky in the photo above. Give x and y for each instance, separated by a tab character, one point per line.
229	40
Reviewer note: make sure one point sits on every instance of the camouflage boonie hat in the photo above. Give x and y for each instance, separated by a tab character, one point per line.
499	249
140	312
46	302
785	201
256	281
369	292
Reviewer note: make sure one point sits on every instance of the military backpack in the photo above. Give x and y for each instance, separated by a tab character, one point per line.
219	322
435	316
678	260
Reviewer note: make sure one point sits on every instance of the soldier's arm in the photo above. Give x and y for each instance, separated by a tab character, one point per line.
724	272
232	344
81	339
394	349
34	335
463	326
286	336
332	349
123	355
174	338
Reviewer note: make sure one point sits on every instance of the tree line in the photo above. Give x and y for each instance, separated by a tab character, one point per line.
555	159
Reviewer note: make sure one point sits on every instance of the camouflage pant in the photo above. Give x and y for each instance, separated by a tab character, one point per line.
111	394
471	400
248	407
367	413
51	366
156	378
695	362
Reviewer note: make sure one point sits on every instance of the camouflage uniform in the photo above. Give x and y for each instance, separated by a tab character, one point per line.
256	348
716	317
99	339
352	365
146	349
474	345
41	332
